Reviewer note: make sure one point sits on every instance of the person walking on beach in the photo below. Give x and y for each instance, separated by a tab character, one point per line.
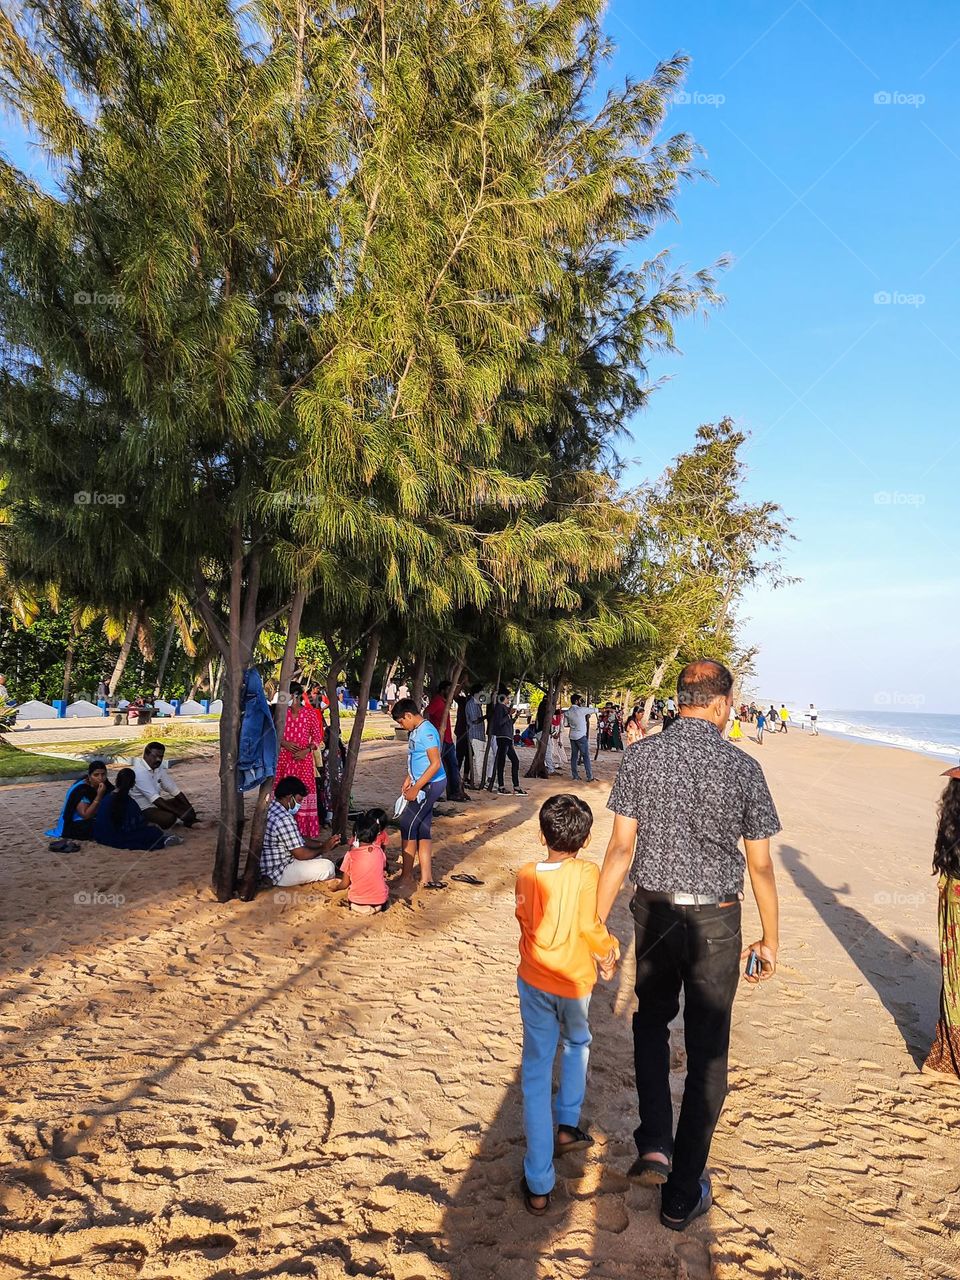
681	806
576	717
812	715
784	718
943	1059
561	943
761	725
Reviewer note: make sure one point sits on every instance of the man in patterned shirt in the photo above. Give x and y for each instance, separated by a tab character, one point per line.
683	800
287	858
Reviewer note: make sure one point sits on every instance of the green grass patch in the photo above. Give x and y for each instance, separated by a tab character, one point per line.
108	749
17	763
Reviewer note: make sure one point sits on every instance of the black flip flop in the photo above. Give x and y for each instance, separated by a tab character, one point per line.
579	1139
464	877
434	884
648	1172
537	1210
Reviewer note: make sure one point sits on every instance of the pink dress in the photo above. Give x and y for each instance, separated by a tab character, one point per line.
303	730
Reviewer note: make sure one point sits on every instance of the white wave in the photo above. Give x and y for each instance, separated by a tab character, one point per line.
891	738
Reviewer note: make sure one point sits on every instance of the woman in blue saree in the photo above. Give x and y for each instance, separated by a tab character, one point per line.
119	822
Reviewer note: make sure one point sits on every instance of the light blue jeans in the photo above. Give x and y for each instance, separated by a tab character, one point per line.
580	747
548	1021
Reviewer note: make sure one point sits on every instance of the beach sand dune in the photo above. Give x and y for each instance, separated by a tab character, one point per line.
280	1089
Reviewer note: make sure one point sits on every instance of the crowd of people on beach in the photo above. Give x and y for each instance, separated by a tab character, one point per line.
692	815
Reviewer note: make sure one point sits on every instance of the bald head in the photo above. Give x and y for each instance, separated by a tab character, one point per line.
700	683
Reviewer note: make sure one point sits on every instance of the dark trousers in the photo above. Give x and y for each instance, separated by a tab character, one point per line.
506	752
165	810
448	757
464	757
696	950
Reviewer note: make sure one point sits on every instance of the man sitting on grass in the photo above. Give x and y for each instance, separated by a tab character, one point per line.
289	858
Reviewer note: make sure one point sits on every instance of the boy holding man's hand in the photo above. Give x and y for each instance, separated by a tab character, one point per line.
562	941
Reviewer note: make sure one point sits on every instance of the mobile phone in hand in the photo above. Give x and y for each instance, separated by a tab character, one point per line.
754	965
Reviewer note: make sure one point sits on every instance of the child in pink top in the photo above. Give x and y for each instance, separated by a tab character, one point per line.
363	870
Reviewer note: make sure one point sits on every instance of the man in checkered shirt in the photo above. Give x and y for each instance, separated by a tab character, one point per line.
288	857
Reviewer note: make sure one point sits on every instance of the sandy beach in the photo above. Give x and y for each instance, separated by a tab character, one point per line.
280	1089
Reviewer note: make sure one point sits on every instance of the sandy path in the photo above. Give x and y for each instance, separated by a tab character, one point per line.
277	1088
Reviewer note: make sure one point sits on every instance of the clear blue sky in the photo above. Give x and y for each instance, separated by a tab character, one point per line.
825	198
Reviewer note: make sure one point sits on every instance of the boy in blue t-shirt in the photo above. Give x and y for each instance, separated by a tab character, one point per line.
423	786
761	725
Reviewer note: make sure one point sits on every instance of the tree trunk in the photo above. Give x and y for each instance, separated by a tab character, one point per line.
68	667
416	687
625	701
655	682
218	681
258	824
341	812
236	644
333	743
125	648
162	669
538	765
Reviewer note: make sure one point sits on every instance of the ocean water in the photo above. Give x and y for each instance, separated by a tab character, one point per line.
928	733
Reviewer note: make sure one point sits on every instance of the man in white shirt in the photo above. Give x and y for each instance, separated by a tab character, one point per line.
576	717
390	695
160	799
812	713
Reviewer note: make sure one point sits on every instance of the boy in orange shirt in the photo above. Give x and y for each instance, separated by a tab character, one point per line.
561	943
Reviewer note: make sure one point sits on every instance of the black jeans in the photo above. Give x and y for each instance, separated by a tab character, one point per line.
698	950
506	752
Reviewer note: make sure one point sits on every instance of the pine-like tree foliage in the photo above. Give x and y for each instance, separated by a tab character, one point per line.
289	305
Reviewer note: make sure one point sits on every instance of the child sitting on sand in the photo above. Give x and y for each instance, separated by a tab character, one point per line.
363	870
561	942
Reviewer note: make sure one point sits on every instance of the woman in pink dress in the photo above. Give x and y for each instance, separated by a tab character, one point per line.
301	735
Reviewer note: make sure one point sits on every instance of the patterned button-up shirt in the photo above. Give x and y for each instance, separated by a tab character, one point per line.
281	836
693	796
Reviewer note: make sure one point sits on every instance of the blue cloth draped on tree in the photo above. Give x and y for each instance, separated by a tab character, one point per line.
258	751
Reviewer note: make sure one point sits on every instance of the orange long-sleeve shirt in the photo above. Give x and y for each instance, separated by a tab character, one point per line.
561	936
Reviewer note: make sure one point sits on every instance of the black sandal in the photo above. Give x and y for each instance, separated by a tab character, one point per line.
434	884
649	1172
537	1210
464	877
579	1139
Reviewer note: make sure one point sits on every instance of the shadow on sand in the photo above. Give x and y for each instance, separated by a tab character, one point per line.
904	973
598	1224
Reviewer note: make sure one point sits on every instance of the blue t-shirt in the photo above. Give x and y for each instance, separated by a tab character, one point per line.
761	720
424	736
